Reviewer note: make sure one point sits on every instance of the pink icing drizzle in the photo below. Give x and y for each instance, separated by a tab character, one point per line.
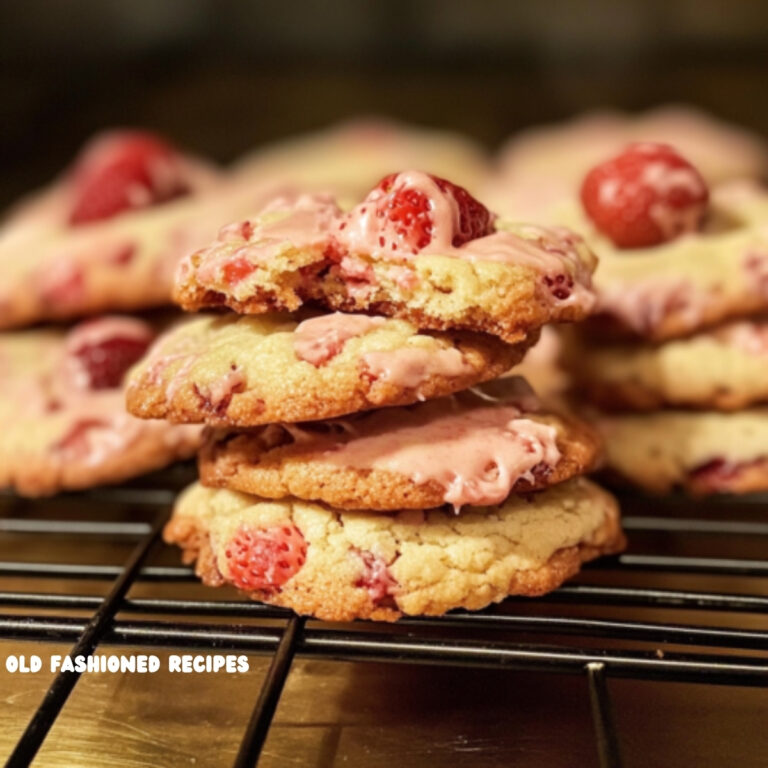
320	339
408	367
315	221
475	449
644	306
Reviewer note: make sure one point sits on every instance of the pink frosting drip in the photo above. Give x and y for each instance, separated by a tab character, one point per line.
410	367
474	447
320	339
220	391
316	221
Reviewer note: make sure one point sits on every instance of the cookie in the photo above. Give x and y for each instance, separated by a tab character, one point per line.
247	371
70	252
719	369
417	247
716	271
349	158
544	165
340	566
475	448
698	452
63	415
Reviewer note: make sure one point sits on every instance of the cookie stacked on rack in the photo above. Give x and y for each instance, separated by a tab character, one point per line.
362	459
676	358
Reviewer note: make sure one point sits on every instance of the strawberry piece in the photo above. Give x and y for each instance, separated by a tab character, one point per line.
123	171
645	196
376	577
406	213
237	269
264	559
103	358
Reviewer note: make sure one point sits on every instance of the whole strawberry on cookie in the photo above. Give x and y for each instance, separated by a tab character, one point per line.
418	248
675	256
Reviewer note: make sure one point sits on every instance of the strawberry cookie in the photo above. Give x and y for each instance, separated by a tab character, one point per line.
723	368
699	452
418	247
474	448
248	371
62	409
108	235
674	256
340	566
541	167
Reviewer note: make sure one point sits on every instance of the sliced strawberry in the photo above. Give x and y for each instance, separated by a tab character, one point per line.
645	196
265	558
105	349
405	208
376	577
122	171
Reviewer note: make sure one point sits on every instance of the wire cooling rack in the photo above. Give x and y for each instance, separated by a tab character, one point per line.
673	540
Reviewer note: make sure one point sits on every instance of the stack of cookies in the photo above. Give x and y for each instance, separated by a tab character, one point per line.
677	356
362	457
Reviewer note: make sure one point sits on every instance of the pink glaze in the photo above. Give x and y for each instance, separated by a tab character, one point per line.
409	367
755	265
320	339
315	221
750	337
662	179
219	393
476	450
307	224
643	307
61	285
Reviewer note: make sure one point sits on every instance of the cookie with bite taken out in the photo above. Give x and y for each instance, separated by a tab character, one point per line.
417	248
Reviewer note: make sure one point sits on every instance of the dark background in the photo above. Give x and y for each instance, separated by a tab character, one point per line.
221	76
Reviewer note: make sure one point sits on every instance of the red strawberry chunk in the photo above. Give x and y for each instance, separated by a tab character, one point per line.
237	269
264	559
104	353
123	171
376	577
645	196
406	213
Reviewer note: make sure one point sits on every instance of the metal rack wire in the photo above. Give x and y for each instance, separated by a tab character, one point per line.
588	643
